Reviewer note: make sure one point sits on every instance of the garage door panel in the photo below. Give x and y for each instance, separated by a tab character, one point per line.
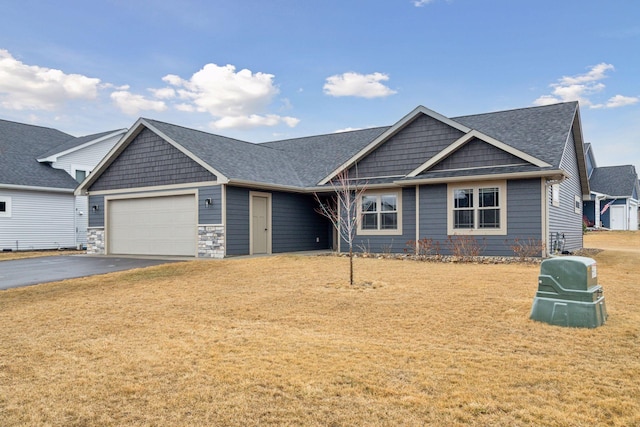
153	226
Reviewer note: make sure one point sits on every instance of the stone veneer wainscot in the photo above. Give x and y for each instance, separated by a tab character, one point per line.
210	241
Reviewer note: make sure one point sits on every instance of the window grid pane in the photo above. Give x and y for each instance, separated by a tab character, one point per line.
389	221
489	218
488	197
369	204
388	203
3	206
370	221
463	198
463	218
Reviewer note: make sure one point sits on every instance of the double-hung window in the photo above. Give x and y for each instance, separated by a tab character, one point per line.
477	208
380	213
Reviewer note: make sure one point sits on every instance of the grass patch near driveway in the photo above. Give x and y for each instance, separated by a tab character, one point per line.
6	256
286	341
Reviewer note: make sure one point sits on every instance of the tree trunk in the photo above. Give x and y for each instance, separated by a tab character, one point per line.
350	265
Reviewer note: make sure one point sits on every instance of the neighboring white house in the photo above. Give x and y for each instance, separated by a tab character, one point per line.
39	170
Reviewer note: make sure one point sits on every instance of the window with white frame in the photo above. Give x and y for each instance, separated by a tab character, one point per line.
380	213
5	207
578	205
477	208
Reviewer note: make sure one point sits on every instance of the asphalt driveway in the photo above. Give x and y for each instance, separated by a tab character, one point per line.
32	271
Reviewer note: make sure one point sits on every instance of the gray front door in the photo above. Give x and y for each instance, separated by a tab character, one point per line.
260	222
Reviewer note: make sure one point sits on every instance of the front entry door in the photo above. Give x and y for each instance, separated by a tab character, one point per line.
260	224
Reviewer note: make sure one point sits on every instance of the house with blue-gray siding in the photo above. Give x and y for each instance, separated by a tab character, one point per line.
501	178
615	195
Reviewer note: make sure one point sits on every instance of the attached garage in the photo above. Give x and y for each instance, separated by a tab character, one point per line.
165	225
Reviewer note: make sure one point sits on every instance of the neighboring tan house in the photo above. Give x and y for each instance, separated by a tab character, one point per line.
39	170
501	176
615	193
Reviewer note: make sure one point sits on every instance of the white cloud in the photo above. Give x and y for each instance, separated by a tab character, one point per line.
39	88
253	120
360	85
597	72
164	93
234	98
132	104
582	87
420	3
618	101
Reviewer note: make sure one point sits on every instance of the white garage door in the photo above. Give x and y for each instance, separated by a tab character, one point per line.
153	226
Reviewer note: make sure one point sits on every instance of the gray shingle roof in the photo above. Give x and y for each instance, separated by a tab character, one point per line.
315	157
303	162
617	181
538	131
20	146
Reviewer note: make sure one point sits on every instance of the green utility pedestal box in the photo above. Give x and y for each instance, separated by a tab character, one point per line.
569	294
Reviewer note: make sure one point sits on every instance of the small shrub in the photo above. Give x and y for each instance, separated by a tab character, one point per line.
527	248
465	246
423	247
365	249
387	249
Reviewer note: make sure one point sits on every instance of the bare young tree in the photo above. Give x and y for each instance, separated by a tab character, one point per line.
342	210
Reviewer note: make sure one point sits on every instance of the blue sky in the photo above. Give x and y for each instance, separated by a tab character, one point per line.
264	70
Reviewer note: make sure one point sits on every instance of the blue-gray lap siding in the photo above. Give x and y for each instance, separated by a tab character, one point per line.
296	226
237	220
391	244
210	214
563	219
524	216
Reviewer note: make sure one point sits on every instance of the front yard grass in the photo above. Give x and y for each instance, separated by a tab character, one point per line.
286	341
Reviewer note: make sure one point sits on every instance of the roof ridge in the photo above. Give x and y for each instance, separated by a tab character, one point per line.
198	130
615	166
532	107
323	134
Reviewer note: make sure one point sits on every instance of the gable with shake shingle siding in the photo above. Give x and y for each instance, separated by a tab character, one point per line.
420	140
477	153
149	161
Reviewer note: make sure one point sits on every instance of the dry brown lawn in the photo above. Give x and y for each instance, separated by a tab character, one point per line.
6	256
284	341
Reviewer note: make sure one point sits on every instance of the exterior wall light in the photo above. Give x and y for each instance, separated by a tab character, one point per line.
208	202
95	208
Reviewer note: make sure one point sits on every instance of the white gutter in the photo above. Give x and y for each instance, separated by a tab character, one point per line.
33	188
